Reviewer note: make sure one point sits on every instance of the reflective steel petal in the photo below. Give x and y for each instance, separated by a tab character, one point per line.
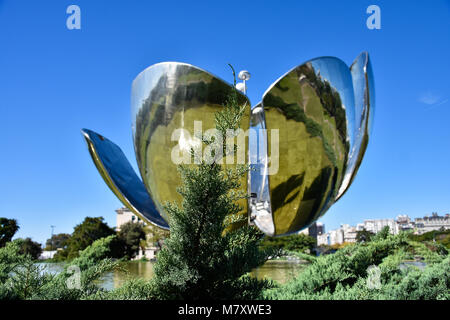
121	178
260	210
169	96
363	85
307	139
321	142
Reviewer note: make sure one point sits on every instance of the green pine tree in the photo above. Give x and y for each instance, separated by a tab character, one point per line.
206	255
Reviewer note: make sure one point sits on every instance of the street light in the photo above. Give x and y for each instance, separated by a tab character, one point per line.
243	75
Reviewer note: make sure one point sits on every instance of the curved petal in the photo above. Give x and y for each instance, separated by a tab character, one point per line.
260	210
172	97
118	174
363	85
312	109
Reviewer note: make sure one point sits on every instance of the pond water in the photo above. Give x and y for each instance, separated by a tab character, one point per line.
278	270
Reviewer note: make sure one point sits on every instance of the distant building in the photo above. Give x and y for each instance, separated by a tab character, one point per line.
435	222
404	223
376	225
347	233
124	215
337	236
323	239
316	229
46	254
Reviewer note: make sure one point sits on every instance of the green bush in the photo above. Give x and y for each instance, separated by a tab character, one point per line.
297	243
344	274
211	248
22	278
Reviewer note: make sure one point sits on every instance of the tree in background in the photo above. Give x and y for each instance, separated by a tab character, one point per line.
22	278
297	242
57	241
30	247
84	234
131	234
383	233
155	236
364	235
441	236
8	228
205	257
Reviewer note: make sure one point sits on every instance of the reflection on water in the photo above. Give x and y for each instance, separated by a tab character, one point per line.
278	270
133	269
418	264
52	268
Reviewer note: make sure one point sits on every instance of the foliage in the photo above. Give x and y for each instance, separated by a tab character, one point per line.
439	236
344	274
10	258
28	246
205	257
84	235
364	235
296	242
133	289
155	235
57	241
8	228
302	256
22	278
382	234
131	234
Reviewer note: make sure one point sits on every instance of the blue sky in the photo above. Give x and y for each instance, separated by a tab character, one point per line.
54	81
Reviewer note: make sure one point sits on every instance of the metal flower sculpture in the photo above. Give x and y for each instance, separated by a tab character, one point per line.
306	139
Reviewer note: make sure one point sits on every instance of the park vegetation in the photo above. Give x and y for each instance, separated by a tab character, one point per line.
207	257
346	274
342	275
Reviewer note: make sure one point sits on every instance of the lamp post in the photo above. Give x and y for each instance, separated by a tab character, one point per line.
243	75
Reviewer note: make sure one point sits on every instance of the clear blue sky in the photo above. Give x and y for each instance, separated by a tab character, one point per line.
54	81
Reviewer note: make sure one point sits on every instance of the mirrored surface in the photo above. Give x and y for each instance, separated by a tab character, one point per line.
320	111
260	211
306	141
118	174
169	96
364	91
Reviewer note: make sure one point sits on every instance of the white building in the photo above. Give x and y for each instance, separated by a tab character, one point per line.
323	239
336	236
350	233
376	225
435	222
347	233
404	223
47	254
124	215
